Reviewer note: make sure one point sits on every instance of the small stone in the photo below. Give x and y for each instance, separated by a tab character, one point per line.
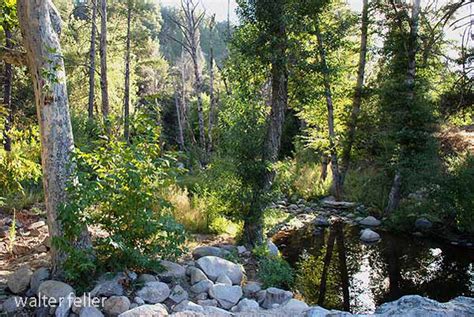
251	288
201	296
115	305
201	287
19	281
272	248
203	251
241	249
178	294
144	278
90	312
154	292
12	305
207	302
246	305
227	296
188	306
224	279
139	300
146	311
275	295
370	221
172	271
423	224
197	276
369	236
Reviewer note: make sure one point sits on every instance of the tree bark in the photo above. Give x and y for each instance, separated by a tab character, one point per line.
212	109
337	186
180	121
126	98
103	63
253	227
46	66
357	99
395	191
90	108
7	93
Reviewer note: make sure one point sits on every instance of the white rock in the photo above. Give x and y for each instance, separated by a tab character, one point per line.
226	295
241	249
246	305
272	248
188	306
201	287
317	312
224	279
200	252
173	271
154	292
294	305
19	281
214	266
197	275
139	300
146	311
368	235
275	295
370	221
178	294
115	305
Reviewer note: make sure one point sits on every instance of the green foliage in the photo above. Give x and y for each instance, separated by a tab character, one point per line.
120	190
275	272
20	169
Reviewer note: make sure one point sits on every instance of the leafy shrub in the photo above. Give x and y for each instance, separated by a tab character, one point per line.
120	190
20	169
274	271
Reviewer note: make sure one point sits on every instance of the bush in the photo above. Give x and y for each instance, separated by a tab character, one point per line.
119	189
274	271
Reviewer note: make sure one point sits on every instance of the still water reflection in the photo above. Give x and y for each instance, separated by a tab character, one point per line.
336	270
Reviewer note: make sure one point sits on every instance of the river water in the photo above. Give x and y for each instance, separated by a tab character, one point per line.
337	271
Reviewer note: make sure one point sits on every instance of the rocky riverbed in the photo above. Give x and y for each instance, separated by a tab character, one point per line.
208	285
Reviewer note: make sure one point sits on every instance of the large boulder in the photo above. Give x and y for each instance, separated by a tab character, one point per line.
172	271
369	236
414	306
226	295
154	292
200	252
115	305
275	295
146	311
370	221
62	293
214	266
19	281
39	276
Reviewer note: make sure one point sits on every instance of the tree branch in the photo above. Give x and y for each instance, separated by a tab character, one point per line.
12	56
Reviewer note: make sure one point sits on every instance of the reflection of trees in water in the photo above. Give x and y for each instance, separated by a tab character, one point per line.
323	274
395	266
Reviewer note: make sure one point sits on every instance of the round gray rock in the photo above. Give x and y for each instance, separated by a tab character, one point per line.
172	271
115	305
369	236
39	276
214	266
19	281
154	292
200	252
226	295
146	310
370	221
90	312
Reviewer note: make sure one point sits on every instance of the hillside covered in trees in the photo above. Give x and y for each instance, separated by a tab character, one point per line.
306	160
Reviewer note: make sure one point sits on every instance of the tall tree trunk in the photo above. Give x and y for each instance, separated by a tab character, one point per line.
7	93
395	191
357	99
327	263
324	166
90	108
103	63
41	40
198	91
126	98
180	121
337	186
212	104
253	227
